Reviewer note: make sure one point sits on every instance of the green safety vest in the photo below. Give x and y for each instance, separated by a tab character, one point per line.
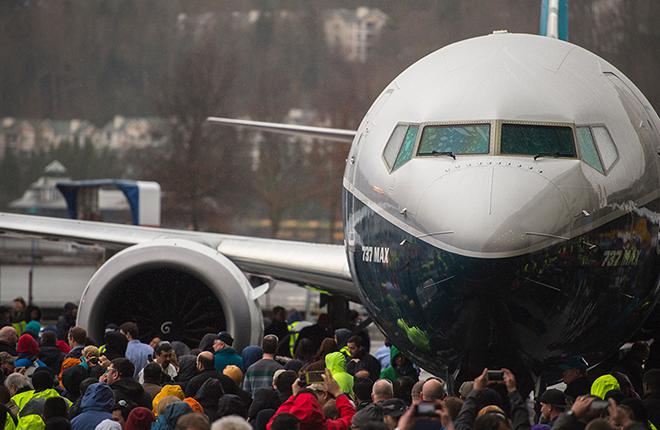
9	422
293	337
21	399
19	327
31	422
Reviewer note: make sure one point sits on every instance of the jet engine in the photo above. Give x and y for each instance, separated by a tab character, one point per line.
175	290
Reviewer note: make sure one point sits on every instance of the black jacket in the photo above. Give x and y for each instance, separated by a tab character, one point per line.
652	405
196	381
5	347
579	387
567	421
52	357
130	389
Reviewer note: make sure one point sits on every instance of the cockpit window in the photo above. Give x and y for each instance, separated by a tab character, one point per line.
407	148
542	140
605	145
455	139
394	144
588	151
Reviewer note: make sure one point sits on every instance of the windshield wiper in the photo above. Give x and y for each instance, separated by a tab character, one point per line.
551	154
449	153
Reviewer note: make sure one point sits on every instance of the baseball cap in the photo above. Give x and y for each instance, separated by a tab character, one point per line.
226	338
574	362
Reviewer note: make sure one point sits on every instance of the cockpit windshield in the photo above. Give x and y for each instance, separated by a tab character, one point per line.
537	140
455	139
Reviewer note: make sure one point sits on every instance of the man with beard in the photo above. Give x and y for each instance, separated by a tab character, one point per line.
360	359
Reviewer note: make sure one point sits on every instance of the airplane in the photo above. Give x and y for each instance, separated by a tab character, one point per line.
500	208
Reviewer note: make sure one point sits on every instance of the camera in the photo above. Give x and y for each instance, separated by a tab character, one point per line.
425	409
495	375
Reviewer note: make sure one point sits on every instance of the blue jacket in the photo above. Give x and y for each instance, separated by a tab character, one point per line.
168	419
226	356
96	406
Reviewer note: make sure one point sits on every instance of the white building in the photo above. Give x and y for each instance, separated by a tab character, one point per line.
123	133
353	33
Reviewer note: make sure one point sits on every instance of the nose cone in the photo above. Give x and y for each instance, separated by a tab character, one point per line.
493	211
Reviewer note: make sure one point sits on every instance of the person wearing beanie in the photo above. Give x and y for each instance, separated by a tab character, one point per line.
341	337
139	419
223	353
235	373
33	328
167	420
231	404
167	390
28	351
194	405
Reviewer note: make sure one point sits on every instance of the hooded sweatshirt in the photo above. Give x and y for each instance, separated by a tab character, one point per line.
167	390
336	363
603	384
391	373
167	421
208	395
307	409
129	389
226	356
96	406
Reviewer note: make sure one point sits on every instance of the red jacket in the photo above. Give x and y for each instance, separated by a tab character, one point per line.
307	409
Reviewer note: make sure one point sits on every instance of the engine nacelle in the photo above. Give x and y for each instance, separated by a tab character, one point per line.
173	289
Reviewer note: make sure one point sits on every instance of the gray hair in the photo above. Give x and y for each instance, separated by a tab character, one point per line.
16	382
232	422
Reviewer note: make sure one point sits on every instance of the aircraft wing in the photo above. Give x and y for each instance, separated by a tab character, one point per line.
321	265
332	134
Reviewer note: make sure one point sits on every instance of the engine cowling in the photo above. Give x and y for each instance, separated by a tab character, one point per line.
173	289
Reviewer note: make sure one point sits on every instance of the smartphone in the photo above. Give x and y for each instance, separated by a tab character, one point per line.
599	405
495	375
425	409
314	377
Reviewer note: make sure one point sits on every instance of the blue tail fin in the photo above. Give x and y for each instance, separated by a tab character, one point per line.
557	25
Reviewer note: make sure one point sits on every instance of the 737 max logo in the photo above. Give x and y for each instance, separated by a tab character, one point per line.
620	257
376	254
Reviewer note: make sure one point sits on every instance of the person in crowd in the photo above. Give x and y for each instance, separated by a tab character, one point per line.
139	419
18	313
433	389
119	377
231	404
33	328
383	354
194	421
96	406
416	392
318	362
115	344
553	404
304	352
231	423
90	360
403	387
167	391
251	354
382	390
28	354
235	374
6	365
335	362
307	405
285	421
282	382
8	339
453	405
164	356
77	338
360	359
341	336
155	342
223	353
20	391
153	378
393	410
137	352
574	375
66	320
316	332
205	369
519	414
651	387
260	374
168	419
362	389
71	381
278	326
263	398
399	366
208	396
49	353
187	369
33	313
632	364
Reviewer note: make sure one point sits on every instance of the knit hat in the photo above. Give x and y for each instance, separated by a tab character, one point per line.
225	338
33	327
194	405
234	372
231	404
139	419
27	346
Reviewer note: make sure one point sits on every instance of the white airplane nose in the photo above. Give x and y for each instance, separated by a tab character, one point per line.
498	210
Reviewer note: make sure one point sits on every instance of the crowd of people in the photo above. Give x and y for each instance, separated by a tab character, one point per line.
309	379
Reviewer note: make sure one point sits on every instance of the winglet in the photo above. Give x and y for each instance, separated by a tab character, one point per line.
333	134
554	19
